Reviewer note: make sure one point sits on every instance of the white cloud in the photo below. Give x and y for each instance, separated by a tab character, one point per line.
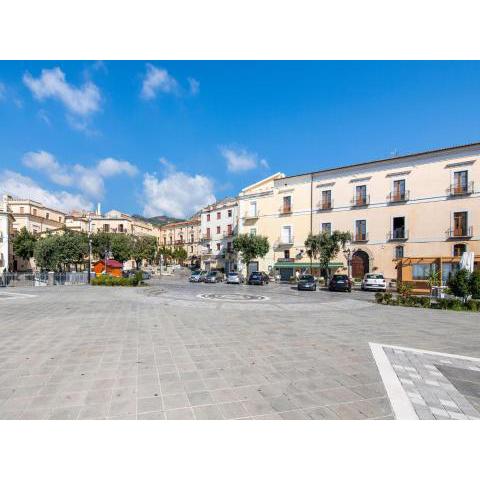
158	80
81	101
194	86
90	180
111	166
46	163
20	186
176	194
241	160
2	91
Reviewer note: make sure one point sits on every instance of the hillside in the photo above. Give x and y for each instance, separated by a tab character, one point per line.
158	220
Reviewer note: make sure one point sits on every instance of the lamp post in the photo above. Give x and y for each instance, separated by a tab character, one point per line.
348	252
89	249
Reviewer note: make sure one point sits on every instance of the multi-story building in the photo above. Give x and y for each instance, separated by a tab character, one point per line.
219	225
6	235
36	218
184	234
419	205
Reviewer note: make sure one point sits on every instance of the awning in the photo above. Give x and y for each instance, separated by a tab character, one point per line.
306	264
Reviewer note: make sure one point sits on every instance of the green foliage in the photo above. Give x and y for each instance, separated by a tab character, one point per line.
472	305
251	246
404	289
379	297
46	253
120	245
24	244
144	248
459	283
433	279
475	284
180	254
110	281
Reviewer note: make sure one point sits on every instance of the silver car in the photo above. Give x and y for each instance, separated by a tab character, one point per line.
234	277
374	281
198	276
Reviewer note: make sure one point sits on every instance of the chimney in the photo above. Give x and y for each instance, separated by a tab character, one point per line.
99	211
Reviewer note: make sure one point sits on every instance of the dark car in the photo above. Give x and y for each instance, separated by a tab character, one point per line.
340	283
258	278
214	277
307	282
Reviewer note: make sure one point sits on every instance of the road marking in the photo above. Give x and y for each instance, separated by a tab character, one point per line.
13	295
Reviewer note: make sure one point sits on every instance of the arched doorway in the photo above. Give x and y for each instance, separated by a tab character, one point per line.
360	264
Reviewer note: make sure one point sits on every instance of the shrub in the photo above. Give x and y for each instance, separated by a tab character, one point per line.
459	283
443	303
404	289
472	305
475	284
379	297
108	280
387	297
424	302
455	304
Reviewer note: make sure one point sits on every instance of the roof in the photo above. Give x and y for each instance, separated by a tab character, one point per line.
110	263
390	159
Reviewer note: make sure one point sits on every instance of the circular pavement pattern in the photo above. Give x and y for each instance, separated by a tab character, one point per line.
235	297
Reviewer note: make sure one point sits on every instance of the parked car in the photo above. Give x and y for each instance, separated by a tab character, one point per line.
214	277
258	278
340	283
198	276
374	281
307	282
234	277
132	273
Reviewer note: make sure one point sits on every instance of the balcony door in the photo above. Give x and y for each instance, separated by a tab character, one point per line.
399	190
360	230
361	194
252	211
286	234
460	224
460	181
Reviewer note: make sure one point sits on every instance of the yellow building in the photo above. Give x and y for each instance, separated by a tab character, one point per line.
423	204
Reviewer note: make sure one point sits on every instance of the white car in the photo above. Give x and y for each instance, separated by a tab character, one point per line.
374	281
235	277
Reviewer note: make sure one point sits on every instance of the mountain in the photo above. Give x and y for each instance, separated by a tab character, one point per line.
158	220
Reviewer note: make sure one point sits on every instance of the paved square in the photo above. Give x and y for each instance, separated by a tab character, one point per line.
164	352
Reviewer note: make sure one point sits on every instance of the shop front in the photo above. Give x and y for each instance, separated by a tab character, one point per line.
288	268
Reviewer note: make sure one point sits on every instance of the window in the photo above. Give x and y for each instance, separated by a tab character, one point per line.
106	227
460	181
398	231
252	209
229	213
287	234
286	254
22	210
253	231
208	232
191	249
398	191
218	229
360	230
327	228
399	251
208	217
229	229
60	219
287	204
326	199
47	215
360	195
459	249
229	247
181	238
35	211
164	240
120	228
219	215
421	271
170	240
218	247
192	238
448	269
460	224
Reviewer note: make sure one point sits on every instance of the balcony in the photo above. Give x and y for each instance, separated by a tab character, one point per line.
285	210
360	201
398	197
326	205
460	189
206	238
227	234
283	242
251	215
399	234
463	232
360	237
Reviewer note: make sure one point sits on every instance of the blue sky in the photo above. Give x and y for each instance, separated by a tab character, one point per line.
166	137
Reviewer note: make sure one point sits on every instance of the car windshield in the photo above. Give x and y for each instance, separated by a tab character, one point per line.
307	278
255	274
232	274
340	277
374	276
196	272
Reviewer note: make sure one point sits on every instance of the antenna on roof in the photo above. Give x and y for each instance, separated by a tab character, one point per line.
394	153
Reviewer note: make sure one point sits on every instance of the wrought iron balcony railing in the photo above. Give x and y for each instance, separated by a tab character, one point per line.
398	197
462	232
360	200
461	189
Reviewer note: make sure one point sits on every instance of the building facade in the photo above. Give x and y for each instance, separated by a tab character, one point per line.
425	204
185	234
6	235
219	225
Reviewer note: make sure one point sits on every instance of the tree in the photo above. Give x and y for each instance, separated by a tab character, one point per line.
329	245
120	245
250	247
475	284
180	255
166	253
144	248
313	246
24	244
459	283
46	253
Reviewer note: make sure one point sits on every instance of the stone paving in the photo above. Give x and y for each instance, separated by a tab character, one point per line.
164	352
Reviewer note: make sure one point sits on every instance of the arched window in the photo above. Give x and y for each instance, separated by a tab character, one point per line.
459	249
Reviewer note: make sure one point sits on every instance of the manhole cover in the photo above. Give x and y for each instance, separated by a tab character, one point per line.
232	297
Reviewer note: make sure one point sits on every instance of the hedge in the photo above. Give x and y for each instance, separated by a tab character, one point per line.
109	281
455	304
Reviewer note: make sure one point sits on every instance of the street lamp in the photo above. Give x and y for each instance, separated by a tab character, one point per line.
348	252
89	248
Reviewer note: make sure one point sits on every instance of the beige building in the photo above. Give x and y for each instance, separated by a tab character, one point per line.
36	218
219	225
424	204
184	234
6	235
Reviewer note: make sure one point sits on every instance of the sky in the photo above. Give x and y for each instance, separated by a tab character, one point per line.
167	137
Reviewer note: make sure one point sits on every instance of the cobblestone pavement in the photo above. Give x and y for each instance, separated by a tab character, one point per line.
436	385
168	352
